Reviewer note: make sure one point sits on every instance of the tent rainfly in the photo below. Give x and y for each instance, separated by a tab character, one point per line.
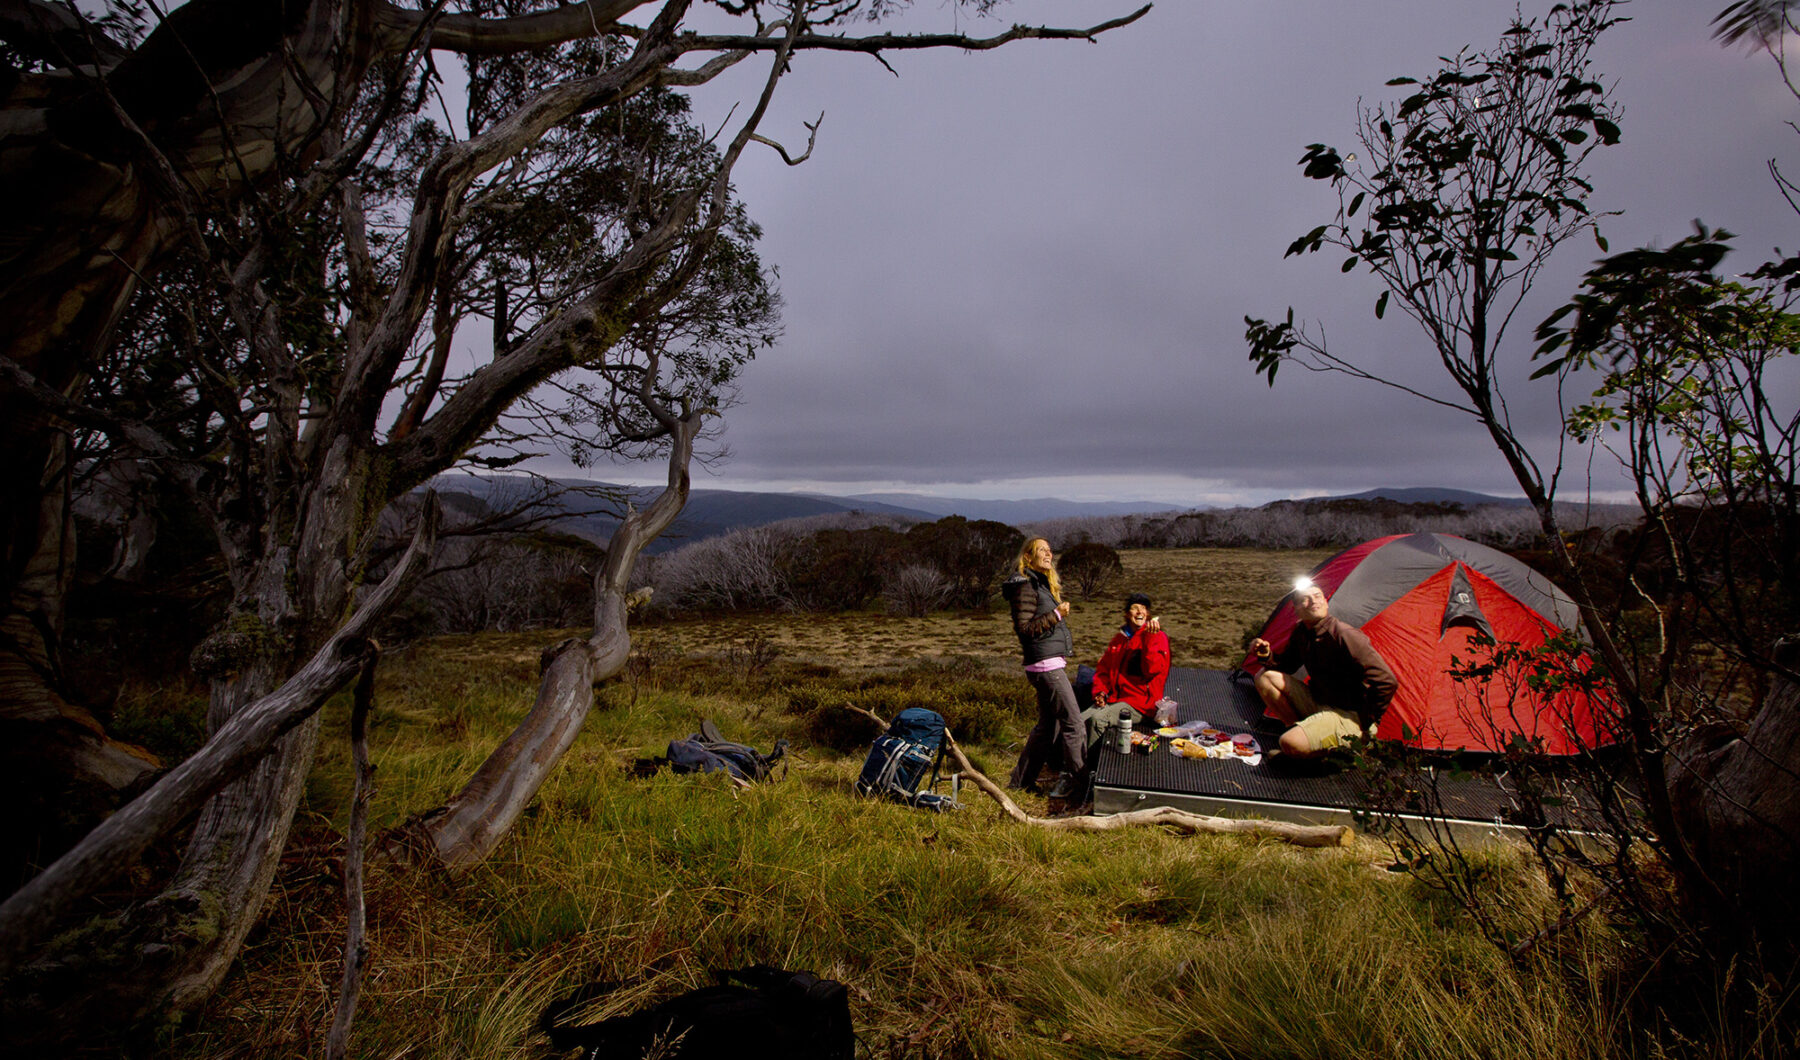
1430	603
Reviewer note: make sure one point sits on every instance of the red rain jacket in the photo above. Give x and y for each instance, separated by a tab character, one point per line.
1133	670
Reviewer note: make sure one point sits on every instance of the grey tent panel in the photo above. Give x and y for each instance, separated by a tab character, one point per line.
1460	605
1395	568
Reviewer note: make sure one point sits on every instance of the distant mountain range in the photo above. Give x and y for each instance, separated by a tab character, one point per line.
1432	495
708	513
1010	512
711	512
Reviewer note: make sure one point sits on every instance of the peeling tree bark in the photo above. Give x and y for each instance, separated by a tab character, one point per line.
292	600
75	258
134	143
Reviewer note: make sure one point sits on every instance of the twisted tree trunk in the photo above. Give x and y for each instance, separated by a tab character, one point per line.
1737	798
467	828
173	943
126	145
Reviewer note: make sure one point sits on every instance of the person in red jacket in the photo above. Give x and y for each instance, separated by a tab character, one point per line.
1135	666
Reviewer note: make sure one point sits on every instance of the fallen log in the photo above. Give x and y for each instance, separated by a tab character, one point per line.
1162	816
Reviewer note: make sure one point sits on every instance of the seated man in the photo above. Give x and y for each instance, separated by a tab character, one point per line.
1348	684
1135	666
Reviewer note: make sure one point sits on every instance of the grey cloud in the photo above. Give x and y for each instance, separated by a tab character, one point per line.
1036	262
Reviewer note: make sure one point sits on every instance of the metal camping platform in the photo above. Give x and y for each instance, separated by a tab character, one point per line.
1477	809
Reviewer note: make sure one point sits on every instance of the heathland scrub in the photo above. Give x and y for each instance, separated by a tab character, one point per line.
960	935
1209	599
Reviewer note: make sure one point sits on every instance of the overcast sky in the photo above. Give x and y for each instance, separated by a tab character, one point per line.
1024	273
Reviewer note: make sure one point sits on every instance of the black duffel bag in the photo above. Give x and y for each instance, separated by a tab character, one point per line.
755	1013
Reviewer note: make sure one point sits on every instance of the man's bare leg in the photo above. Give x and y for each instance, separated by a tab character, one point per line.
1294	742
1272	686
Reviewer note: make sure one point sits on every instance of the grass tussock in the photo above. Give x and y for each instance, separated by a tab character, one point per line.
960	935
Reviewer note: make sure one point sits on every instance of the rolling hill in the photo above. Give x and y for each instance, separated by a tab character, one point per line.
711	512
1430	495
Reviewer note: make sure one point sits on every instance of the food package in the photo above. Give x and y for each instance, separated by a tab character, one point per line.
1250	754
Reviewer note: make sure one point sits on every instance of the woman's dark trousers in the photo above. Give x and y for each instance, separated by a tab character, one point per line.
1058	725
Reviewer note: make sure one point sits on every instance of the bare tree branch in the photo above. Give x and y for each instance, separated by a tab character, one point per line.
136	433
473	35
356	950
812	136
875	44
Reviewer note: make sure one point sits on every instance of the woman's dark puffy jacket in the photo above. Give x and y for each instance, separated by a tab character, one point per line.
1042	632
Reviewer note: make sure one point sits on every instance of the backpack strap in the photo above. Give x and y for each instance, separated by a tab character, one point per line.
884	781
936	762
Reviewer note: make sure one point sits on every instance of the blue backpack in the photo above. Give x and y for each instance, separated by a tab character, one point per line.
905	759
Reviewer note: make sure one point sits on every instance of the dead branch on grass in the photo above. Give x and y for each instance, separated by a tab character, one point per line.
1167	816
356	949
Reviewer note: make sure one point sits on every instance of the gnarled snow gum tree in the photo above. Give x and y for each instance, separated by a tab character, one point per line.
259	179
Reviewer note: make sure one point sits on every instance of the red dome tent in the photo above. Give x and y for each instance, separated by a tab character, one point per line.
1423	599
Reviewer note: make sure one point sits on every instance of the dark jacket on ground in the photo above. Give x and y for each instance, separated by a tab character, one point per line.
1042	632
1343	669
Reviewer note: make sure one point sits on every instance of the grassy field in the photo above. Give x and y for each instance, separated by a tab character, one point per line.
1208	599
960	935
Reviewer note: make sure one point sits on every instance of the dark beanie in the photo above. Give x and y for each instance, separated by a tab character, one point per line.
1137	598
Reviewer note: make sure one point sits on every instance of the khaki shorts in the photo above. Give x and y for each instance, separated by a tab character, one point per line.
1325	727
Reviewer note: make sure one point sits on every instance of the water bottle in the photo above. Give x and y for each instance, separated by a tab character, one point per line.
1124	735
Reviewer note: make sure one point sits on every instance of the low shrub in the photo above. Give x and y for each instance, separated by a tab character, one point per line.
916	590
828	724
978	704
952	666
1089	567
801	565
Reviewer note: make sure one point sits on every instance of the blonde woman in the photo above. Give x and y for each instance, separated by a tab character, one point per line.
1039	618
